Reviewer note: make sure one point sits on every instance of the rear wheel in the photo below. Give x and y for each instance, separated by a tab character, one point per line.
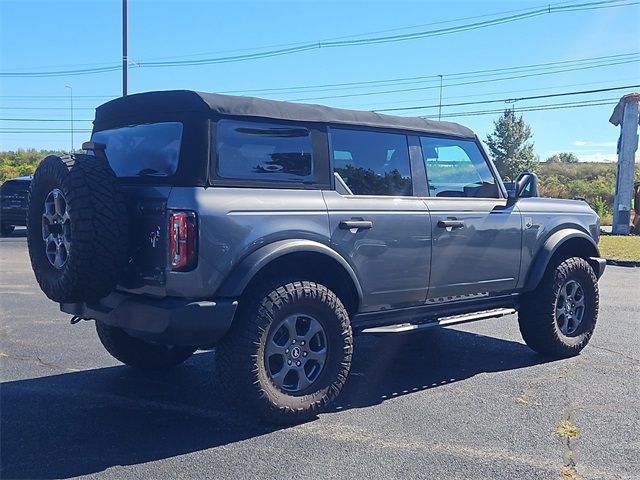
138	353
288	353
559	317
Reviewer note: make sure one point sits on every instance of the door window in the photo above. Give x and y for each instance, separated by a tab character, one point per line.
372	163
457	168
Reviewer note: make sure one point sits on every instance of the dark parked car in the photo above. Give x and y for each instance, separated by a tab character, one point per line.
14	196
276	231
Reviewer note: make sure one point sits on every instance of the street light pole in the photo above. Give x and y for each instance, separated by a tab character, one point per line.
71	98
440	104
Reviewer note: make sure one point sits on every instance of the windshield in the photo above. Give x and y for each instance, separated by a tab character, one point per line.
141	150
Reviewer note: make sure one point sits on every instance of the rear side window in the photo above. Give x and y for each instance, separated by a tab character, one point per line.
143	150
372	163
264	151
457	168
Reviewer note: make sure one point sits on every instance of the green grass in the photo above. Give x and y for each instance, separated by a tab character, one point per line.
621	248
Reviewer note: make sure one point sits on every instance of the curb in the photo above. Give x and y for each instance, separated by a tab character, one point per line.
622	263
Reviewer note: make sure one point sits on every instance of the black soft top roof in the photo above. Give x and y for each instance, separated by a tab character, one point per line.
159	104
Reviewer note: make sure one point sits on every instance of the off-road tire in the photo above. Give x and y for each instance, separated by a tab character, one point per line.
240	357
7	230
98	228
140	354
537	316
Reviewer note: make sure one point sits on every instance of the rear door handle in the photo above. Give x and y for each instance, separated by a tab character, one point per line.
359	224
451	223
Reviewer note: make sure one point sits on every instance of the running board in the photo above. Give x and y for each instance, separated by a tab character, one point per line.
442	322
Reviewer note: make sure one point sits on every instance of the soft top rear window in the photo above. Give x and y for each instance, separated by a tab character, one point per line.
143	150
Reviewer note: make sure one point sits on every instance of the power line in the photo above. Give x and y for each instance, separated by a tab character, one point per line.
531	108
435	78
397	102
534	69
478	102
556	8
513	100
583	63
475	82
412	102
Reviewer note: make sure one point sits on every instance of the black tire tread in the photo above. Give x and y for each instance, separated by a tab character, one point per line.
236	354
140	354
536	316
99	228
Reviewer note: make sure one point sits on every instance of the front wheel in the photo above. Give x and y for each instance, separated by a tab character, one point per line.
288	353
559	317
140	354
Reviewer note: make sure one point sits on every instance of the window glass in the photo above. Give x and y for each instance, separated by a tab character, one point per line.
263	151
372	163
456	168
142	150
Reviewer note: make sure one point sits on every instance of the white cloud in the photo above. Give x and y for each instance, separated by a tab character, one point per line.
585	143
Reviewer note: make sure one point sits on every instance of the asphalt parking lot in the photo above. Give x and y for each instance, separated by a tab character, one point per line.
466	403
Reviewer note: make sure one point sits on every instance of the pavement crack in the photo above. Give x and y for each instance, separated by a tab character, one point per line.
567	431
636	360
38	361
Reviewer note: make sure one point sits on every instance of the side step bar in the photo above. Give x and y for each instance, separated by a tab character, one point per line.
442	322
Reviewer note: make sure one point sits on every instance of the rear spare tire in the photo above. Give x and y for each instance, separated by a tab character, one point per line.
77	229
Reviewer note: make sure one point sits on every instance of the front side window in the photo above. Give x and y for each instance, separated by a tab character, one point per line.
142	150
263	151
457	168
372	163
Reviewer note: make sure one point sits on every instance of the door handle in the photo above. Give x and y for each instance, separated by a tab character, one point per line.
451	223
359	224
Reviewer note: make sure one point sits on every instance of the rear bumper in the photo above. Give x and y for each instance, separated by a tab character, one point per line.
598	264
172	321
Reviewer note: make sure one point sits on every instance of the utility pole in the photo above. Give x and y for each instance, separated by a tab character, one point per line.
440	104
71	97
626	115
125	55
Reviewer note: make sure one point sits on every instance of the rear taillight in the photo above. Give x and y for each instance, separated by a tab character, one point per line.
183	244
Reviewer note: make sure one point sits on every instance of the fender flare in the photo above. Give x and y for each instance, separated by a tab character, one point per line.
550	246
235	283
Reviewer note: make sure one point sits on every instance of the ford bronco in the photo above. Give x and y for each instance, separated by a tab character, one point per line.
273	232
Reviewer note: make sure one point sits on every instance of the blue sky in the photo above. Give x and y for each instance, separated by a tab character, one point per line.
61	35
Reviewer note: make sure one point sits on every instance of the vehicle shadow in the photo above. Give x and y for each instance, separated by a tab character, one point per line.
79	423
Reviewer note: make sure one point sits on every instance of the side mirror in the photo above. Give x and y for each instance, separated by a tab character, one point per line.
525	186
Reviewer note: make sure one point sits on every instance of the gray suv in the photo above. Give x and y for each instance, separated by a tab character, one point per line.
275	231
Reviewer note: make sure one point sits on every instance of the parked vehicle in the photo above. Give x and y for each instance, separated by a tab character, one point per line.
276	231
14	195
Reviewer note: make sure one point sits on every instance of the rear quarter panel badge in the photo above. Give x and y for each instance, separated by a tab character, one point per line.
154	236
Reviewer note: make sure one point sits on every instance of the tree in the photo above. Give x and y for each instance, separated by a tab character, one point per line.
510	146
563	157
